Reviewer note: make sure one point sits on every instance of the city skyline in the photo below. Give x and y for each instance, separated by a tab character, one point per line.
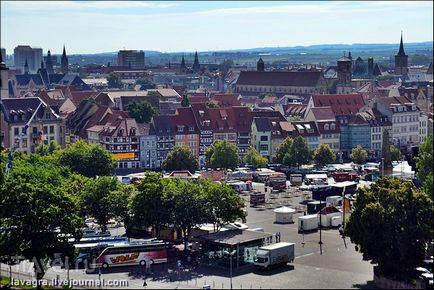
226	25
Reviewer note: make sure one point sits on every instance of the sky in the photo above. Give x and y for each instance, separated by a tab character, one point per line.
169	26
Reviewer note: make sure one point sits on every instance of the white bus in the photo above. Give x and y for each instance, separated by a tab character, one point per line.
134	253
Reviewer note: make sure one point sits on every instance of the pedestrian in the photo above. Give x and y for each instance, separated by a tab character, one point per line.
144	283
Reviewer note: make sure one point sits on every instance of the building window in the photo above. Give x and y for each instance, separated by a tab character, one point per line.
51	129
264	138
16	131
45	130
48	116
263	148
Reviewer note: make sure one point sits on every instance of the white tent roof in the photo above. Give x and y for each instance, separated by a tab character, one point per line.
284	209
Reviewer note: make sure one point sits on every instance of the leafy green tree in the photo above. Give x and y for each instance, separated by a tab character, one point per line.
185	101
180	158
390	225
36	213
151	205
395	154
428	186
212	104
97	199
424	160
254	158
299	152
222	154
53	147
189	201
142	111
282	150
119	203
324	155
262	96
87	159
222	204
358	154
114	82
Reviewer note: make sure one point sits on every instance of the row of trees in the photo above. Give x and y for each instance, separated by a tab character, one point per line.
47	196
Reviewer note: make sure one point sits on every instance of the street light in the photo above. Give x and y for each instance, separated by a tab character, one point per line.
231	254
382	167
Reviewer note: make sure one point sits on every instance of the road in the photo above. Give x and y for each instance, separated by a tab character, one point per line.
337	267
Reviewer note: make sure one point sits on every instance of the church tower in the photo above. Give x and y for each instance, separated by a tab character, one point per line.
196	65
401	60
49	63
344	76
260	66
64	62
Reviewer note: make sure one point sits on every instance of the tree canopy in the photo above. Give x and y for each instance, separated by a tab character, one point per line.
185	101
142	111
113	81
324	155
180	158
282	150
222	154
254	158
358	154
395	154
299	152
87	159
36	212
424	160
390	224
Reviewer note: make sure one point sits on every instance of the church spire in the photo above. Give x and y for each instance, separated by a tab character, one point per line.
49	63
196	65
64	61
182	62
401	47
26	67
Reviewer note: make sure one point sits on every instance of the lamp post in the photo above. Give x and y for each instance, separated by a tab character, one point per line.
320	224
231	254
382	167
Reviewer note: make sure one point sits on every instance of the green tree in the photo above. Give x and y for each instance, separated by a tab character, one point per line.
222	204
142	111
189	201
87	159
119	203
222	154
36	213
390	225
185	101
97	199
53	147
395	154
113	81
428	187
41	149
254	158
358	154
282	150
212	104
324	155
299	152
424	160
180	158
151	205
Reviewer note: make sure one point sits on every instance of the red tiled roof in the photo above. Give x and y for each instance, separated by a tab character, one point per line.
341	104
329	209
226	100
78	96
300	125
184	117
323	113
397	100
295	79
125	124
295	109
243	118
198	99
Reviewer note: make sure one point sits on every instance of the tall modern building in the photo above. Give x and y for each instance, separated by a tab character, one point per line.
401	60
33	56
131	58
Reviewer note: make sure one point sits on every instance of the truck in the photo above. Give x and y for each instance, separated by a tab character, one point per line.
307	223
274	255
345	176
277	181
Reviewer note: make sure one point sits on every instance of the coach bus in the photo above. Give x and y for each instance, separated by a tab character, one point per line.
133	253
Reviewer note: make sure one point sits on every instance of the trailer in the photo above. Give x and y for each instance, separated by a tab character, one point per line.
296	179
274	255
345	176
308	222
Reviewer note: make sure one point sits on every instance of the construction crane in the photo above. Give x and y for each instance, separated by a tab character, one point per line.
23	134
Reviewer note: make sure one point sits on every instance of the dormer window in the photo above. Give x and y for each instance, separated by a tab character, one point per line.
326	126
133	132
332	126
121	132
191	129
180	128
413	108
48	116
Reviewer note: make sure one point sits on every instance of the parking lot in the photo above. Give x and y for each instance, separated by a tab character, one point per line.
336	267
